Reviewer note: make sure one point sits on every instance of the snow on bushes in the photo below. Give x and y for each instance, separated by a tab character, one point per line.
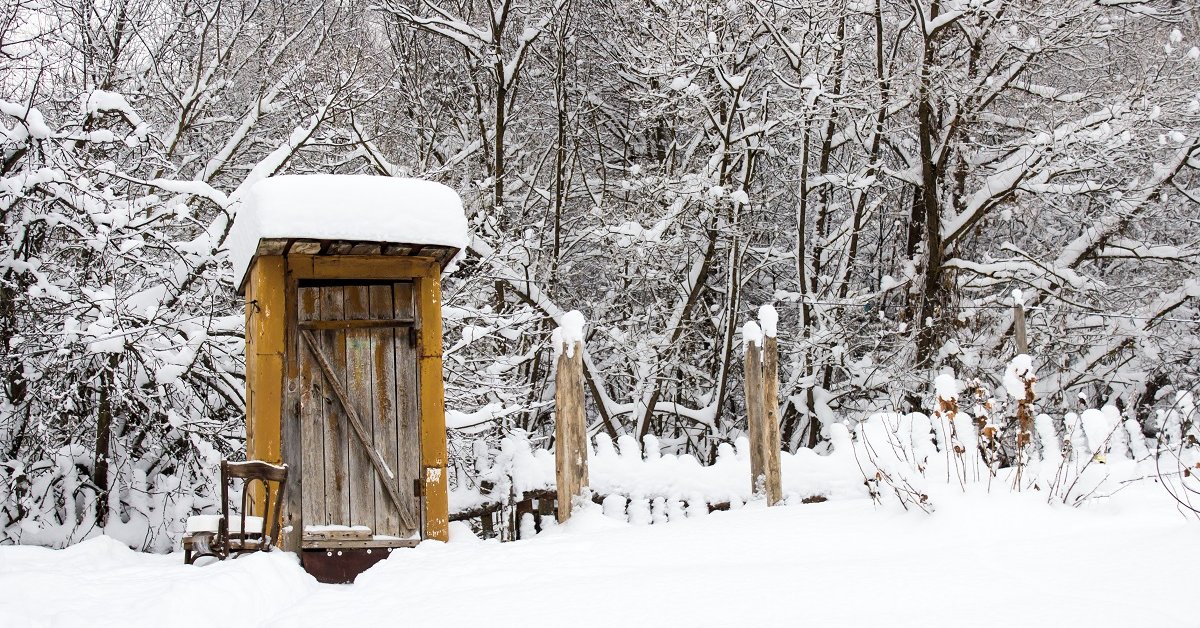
890	457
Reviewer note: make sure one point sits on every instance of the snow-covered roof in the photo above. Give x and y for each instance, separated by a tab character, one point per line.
359	208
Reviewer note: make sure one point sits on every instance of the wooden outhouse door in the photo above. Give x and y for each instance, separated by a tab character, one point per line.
356	344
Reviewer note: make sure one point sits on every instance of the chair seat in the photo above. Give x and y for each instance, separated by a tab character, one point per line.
209	523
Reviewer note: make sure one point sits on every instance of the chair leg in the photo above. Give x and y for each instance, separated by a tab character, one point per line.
201	545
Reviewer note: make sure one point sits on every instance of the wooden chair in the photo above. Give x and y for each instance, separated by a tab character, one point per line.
221	535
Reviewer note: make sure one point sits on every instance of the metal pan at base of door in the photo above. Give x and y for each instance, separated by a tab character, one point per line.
341	566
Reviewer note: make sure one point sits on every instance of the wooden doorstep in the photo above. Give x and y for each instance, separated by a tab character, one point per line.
339	534
310	544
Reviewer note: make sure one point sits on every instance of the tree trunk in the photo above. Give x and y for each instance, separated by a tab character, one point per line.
104	426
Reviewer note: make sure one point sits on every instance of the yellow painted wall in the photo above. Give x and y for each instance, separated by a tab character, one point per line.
433	405
266	326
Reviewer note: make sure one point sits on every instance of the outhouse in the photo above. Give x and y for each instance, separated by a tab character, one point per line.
341	278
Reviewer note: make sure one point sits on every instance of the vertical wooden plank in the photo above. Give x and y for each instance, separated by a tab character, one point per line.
570	430
432	403
771	437
383	411
312	416
265	321
359	475
266	310
291	429
337	431
408	407
755	416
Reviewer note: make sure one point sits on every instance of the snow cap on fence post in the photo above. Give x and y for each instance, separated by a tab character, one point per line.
946	387
1019	371
568	332
768	318
752	334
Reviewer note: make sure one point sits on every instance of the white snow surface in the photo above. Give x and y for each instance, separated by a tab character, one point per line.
946	387
345	207
1128	562
645	474
479	420
568	332
211	523
752	334
768	319
1019	369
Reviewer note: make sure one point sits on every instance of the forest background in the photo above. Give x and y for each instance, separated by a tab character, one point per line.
884	172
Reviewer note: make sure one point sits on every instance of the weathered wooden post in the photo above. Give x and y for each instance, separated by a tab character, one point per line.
1022	366
1019	323
570	431
756	419
768	320
760	415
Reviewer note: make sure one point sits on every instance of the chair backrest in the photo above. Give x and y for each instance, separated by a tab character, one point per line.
272	478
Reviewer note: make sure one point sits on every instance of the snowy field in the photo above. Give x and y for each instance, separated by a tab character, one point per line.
998	559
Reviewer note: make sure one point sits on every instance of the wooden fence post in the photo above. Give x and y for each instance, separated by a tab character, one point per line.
761	413
570	430
1024	411
1019	328
772	443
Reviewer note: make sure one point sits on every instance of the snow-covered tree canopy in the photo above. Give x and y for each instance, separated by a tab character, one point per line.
883	172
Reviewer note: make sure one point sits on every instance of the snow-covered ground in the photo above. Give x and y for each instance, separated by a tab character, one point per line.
999	559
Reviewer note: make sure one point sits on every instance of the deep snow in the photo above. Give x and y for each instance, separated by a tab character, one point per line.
1002	559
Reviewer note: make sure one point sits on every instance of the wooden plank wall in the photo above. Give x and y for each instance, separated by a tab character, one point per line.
311	413
336	433
265	328
360	480
377	367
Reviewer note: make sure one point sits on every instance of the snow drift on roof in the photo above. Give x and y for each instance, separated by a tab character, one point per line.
345	207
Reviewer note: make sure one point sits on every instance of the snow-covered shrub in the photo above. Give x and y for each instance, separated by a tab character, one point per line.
1177	452
914	455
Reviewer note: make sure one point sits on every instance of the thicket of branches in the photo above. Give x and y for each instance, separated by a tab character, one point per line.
885	172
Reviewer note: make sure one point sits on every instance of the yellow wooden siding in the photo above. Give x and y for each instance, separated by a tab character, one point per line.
433	410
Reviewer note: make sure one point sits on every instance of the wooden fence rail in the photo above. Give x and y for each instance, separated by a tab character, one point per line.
488	519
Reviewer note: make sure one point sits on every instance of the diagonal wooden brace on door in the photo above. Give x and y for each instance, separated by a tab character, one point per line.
386	476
